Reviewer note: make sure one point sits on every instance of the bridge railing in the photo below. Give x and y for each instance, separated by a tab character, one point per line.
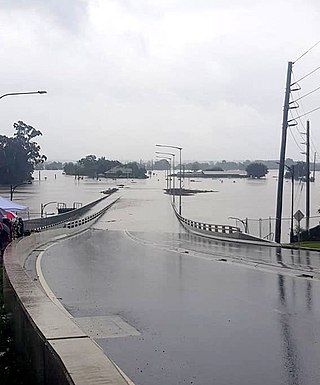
89	218
232	233
213	228
39	224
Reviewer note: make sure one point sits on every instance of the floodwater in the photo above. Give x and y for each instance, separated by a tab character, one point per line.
237	198
173	308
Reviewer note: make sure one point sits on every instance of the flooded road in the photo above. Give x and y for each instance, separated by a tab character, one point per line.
173	308
231	199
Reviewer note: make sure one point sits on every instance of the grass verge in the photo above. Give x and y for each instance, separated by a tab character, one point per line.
310	245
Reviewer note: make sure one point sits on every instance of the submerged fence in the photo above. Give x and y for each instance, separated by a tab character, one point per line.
219	231
264	227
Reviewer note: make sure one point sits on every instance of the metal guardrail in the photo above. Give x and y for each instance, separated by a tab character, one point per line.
39	224
221	229
82	221
227	232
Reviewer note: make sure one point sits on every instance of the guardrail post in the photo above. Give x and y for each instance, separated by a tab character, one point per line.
270	228
260	228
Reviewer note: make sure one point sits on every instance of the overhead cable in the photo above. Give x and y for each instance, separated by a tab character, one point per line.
305	76
307	51
295	140
307	113
303	96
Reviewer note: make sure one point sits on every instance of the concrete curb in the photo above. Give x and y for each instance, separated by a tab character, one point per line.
57	349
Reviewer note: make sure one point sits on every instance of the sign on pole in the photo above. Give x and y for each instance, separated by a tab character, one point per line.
298	215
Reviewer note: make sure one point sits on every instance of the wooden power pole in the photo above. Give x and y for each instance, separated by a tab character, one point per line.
283	154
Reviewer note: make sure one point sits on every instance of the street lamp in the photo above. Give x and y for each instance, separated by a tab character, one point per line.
174	187
167	178
12	188
180	150
43	205
243	221
23	93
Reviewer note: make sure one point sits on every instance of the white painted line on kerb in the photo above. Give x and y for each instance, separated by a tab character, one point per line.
55	300
45	285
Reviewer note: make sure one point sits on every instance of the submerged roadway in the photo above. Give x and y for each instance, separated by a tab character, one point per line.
169	307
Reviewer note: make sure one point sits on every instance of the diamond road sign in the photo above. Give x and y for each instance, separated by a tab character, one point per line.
298	215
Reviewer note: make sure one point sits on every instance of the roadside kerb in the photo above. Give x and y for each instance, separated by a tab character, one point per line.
58	350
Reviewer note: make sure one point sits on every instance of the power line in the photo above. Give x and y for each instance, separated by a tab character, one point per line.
302	124
313	146
305	76
295	140
307	51
294	118
303	110
307	94
307	113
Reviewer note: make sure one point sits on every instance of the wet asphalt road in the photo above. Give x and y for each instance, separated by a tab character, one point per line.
208	312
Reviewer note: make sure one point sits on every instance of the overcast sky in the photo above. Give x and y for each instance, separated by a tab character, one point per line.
123	75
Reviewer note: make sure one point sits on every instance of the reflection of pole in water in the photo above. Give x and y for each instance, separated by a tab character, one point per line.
309	294
279	255
282	293
308	262
290	350
292	256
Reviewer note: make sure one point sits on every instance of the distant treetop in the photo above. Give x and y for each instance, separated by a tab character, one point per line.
257	170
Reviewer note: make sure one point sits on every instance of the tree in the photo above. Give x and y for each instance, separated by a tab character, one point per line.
104	165
161	164
53	165
88	166
19	154
214	168
70	168
138	171
256	170
300	171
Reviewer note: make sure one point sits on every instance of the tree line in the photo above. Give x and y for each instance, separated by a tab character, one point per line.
94	167
20	155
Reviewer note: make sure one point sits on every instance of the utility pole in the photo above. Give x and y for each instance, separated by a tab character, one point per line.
308	176
282	155
292	203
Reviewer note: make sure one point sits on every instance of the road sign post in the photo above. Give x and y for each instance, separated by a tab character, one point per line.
298	216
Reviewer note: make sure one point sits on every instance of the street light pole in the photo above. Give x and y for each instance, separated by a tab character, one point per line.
43	205
12	188
174	188
243	221
180	172
167	177
23	93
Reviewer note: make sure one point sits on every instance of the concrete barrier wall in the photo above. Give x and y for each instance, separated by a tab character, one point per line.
45	336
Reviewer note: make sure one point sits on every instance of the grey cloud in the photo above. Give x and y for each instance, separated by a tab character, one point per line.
68	14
